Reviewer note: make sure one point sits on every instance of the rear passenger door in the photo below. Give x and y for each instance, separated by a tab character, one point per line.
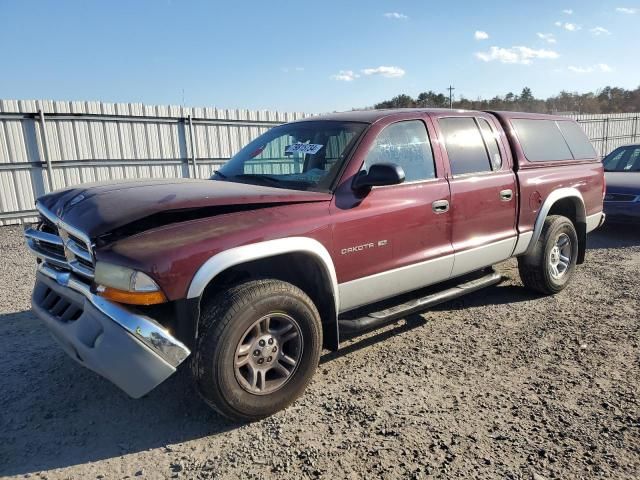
483	190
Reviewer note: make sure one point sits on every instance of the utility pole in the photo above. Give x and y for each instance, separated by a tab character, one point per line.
451	89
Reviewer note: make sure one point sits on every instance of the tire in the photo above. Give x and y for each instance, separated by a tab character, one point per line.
235	320
536	268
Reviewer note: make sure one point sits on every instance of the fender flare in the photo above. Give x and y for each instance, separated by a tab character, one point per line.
255	251
554	196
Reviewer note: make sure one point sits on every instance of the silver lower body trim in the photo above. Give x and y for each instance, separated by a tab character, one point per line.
524	240
131	350
594	221
381	286
483	256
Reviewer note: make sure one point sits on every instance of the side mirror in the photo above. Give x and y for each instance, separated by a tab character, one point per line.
379	175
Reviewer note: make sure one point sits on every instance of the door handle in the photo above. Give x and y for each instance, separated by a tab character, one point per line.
506	195
440	206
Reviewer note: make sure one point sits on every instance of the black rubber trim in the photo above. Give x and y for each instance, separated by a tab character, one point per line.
381	317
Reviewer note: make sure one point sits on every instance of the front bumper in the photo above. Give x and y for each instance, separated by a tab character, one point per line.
131	350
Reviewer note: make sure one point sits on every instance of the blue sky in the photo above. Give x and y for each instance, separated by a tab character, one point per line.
311	56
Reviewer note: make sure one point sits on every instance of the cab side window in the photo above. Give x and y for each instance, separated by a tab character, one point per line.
469	149
406	144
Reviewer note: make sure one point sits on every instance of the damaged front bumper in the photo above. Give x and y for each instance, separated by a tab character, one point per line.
129	349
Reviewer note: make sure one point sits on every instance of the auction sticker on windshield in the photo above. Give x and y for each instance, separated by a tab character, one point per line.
308	148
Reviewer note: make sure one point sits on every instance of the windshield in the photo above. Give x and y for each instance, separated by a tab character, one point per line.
623	159
303	156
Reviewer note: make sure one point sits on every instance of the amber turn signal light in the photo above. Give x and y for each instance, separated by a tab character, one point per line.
131	298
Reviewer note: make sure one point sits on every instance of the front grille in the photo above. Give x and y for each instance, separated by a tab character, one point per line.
620	197
60	245
52	249
58	306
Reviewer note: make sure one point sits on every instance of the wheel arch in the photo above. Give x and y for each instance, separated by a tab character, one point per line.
567	202
302	261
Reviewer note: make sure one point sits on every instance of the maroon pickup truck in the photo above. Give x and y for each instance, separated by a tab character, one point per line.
316	230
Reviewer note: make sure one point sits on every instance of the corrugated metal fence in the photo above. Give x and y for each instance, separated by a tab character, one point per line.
47	145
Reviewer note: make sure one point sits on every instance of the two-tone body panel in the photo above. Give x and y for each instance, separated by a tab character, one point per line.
350	247
377	236
538	179
172	254
483	204
389	237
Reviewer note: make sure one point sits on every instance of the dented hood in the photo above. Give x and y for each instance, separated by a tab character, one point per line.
98	209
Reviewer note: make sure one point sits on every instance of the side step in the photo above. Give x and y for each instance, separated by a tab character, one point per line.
373	320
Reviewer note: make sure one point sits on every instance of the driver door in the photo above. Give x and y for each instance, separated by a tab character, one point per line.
393	239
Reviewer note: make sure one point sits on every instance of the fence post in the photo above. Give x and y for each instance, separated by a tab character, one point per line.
193	147
634	132
45	149
35	155
184	147
606	136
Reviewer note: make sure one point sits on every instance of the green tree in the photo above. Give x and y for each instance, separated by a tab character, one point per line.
607	100
399	101
526	96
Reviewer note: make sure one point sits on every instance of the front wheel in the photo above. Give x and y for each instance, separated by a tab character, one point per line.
549	267
259	346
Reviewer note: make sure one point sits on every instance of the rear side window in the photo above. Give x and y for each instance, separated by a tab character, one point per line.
491	140
577	140
541	140
465	146
406	144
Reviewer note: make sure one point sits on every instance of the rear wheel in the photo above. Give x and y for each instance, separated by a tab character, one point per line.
549	267
258	348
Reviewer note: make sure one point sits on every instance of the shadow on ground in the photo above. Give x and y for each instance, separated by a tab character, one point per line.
365	340
58	414
55	413
613	235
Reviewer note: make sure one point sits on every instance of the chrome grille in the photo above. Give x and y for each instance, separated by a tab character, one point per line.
49	243
60	245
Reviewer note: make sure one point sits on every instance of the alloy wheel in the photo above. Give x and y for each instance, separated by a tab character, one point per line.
268	353
560	256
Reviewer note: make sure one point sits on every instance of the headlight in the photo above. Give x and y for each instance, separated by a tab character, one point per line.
125	285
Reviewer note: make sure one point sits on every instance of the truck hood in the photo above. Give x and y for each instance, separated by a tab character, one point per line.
135	206
623	182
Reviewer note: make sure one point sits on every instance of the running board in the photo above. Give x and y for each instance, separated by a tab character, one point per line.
378	318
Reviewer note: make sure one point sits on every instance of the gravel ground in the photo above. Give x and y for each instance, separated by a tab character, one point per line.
500	384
